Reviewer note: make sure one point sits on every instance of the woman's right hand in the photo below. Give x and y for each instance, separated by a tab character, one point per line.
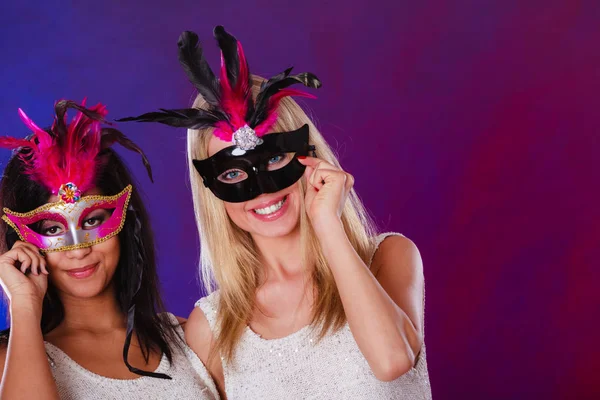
24	276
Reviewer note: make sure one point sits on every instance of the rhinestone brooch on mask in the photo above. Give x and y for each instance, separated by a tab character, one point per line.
245	138
69	192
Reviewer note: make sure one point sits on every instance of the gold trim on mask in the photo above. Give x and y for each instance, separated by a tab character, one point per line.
47	206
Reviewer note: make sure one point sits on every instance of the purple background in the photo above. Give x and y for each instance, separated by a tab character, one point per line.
470	127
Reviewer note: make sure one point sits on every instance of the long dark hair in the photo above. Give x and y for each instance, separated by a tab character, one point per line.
20	193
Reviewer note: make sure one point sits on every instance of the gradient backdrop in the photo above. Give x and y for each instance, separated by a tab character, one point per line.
470	127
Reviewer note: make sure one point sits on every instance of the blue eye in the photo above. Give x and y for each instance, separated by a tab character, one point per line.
232	176
275	159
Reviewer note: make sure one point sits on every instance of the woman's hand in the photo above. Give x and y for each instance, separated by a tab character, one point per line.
24	278
326	192
24	275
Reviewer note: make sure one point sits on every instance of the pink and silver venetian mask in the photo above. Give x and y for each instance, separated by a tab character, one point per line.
72	222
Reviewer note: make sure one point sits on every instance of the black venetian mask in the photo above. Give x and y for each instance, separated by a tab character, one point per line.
235	175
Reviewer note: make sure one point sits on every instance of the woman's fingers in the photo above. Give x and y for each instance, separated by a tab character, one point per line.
41	257
14	279
30	257
318	175
24	259
35	260
324	172
328	176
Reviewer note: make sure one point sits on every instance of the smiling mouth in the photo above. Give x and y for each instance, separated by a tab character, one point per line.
83	272
270	209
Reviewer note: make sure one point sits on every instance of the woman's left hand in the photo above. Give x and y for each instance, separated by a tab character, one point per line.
326	192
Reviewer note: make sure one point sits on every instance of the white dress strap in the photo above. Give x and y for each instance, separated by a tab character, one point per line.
209	306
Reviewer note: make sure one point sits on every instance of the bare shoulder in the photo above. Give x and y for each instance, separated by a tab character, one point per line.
400	253
399	270
198	334
199	338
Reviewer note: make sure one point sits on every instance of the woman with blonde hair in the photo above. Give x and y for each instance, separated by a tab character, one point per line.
311	303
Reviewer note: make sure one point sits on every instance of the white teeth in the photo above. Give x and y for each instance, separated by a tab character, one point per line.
271	209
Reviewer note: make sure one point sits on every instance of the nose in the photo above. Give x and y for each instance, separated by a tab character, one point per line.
78	254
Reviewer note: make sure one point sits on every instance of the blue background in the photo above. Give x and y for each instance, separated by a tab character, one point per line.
470	126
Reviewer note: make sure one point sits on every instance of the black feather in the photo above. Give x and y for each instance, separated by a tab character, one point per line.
197	69
183	118
229	48
60	127
274	85
274	79
200	74
112	135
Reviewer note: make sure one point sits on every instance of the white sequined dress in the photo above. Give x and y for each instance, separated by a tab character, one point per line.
190	379
299	367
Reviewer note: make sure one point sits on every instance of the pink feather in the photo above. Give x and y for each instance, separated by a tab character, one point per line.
262	128
8	142
243	82
234	101
223	131
56	161
41	134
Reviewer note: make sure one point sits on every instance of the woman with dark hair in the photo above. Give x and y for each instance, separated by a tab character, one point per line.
79	269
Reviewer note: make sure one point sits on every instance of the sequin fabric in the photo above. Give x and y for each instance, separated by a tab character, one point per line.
299	367
190	380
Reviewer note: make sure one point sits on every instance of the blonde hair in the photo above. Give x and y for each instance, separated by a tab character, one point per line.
229	259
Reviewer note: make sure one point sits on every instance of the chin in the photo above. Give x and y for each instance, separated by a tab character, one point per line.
90	290
85	288
278	230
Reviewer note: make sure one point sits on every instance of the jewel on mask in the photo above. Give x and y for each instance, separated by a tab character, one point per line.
69	192
246	139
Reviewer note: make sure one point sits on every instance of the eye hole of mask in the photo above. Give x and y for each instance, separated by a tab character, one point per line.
273	163
49	227
56	225
95	217
48	224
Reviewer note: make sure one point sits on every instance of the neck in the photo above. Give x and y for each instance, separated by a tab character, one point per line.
281	256
98	314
